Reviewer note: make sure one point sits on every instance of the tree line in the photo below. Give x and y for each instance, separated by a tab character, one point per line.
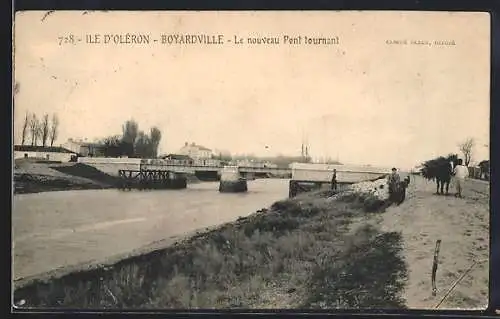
133	142
39	130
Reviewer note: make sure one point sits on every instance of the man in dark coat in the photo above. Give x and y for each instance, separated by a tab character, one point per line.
334	180
393	182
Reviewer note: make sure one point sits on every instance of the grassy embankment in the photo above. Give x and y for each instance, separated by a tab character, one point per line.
302	252
33	177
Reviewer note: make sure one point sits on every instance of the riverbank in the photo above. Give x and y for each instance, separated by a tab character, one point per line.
301	252
32	177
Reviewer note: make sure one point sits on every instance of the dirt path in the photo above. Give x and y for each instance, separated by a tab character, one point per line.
463	227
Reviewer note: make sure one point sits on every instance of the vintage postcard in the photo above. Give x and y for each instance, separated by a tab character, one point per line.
251	160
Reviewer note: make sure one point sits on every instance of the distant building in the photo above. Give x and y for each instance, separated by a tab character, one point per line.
270	165
207	162
177	159
243	163
48	153
196	152
255	163
475	172
83	148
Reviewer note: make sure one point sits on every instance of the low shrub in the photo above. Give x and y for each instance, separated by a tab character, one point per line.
368	273
365	201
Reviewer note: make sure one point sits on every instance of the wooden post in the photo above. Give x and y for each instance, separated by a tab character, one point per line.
292	189
435	266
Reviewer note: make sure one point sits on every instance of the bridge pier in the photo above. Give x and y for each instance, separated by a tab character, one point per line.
231	181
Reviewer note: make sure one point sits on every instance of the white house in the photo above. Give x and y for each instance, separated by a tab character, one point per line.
48	153
196	152
72	145
84	148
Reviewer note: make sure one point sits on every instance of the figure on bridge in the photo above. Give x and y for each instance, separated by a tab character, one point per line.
334	180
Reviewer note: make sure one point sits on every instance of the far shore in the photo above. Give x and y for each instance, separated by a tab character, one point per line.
31	177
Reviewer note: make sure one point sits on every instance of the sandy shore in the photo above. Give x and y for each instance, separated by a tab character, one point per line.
32	177
463	227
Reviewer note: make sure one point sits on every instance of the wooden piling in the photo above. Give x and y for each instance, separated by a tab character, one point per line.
151	179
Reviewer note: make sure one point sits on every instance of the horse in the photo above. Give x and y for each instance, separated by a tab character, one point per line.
406	181
440	170
443	177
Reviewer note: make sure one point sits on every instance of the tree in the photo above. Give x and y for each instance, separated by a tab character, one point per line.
38	132
466	149
112	146
485	169
130	130
45	129
155	137
222	155
143	146
34	129
25	128
54	129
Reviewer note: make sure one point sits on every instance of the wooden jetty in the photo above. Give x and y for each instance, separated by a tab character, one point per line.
151	179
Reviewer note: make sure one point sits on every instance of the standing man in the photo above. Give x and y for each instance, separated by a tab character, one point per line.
393	182
334	180
461	172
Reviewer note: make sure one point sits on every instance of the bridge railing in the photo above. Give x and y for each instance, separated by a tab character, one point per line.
145	165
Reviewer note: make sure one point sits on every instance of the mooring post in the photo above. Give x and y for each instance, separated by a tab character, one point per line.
292	189
435	266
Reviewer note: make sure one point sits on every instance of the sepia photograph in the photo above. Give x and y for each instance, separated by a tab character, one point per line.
251	160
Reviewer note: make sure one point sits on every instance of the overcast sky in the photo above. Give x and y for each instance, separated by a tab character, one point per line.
363	101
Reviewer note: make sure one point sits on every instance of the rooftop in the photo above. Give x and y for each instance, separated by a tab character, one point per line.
200	147
38	148
85	143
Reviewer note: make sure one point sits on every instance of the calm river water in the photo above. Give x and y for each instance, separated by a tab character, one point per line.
57	229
